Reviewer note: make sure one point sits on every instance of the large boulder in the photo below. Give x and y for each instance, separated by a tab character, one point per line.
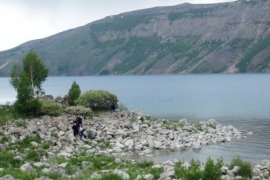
91	133
121	173
27	168
7	177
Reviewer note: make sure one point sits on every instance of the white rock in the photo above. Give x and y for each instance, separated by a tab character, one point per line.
129	143
61	133
95	175
35	144
236	170
196	145
157	144
38	164
121	173
117	149
119	145
27	168
7	177
148	177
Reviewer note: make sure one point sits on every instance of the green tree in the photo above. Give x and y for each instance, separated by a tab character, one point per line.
27	82
15	76
73	93
35	70
26	103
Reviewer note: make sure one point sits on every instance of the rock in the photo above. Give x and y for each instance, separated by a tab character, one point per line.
148	177
265	174
35	144
212	123
63	165
27	168
168	173
118	160
196	146
61	133
117	149
256	178
121	173
224	170
38	164
119	145
186	164
238	177
157	144
121	133
236	170
265	163
129	143
64	154
139	177
227	177
95	175
91	133
7	177
43	178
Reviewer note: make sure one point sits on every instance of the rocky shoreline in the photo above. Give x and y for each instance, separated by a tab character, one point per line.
114	133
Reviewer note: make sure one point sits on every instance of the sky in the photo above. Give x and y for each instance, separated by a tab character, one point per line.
24	20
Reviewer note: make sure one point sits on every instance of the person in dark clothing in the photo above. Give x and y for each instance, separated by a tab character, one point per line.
77	127
113	107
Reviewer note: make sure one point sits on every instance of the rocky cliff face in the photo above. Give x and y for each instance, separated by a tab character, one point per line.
217	38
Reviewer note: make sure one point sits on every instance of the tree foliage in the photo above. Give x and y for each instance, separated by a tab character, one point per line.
27	82
26	103
73	93
15	76
35	70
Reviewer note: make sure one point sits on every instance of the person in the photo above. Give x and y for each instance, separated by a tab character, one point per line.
78	127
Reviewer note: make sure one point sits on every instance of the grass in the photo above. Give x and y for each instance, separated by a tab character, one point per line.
245	167
212	170
6	114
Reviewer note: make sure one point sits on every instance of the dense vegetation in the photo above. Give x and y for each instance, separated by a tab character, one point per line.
98	100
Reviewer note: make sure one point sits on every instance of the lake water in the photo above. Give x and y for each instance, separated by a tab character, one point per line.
240	100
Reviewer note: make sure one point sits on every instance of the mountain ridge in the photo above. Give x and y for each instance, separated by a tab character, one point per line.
229	37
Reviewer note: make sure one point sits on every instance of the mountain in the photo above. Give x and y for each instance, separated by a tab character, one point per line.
213	38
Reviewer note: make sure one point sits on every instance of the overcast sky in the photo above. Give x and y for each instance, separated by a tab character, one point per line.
24	20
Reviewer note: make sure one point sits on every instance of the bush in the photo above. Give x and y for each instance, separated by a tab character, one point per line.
29	108
193	172
78	110
98	100
111	176
51	108
212	170
245	167
73	93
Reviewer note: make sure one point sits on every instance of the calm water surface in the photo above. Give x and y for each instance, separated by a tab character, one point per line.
240	100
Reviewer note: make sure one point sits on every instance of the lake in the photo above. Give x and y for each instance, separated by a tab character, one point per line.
240	100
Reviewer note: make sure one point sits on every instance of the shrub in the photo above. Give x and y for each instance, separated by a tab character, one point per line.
78	110
212	170
245	167
193	172
111	176
98	100
50	108
73	93
30	108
